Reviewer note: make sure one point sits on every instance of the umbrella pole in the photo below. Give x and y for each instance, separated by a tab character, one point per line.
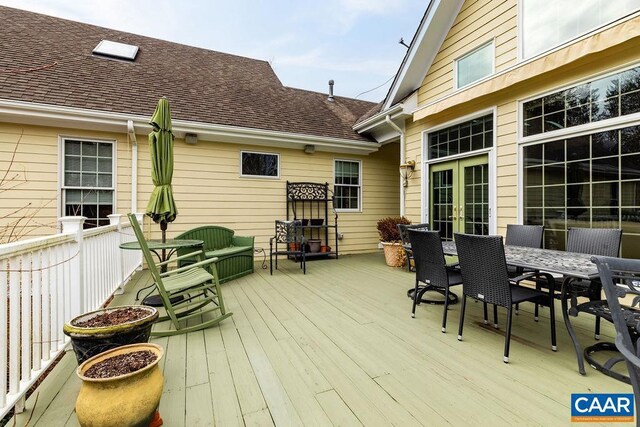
163	229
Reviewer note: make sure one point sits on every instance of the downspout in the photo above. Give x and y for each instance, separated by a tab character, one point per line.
134	166
402	160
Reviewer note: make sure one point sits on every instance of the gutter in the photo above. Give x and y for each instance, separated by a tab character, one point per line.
134	165
40	113
402	160
378	118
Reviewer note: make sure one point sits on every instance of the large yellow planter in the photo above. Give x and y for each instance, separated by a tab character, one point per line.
128	400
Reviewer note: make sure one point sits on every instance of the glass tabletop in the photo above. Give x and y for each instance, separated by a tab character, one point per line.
155	245
549	260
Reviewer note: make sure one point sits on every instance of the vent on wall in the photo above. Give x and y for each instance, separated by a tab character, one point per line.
116	50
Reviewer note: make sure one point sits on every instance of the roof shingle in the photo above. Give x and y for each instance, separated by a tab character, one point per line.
49	60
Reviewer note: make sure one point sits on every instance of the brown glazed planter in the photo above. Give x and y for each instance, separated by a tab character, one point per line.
89	341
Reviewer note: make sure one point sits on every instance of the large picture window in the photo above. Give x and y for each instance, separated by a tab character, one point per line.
605	98
469	136
591	180
547	24
474	65
347	185
265	165
87	187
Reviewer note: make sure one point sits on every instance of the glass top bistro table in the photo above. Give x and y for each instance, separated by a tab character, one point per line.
164	251
568	264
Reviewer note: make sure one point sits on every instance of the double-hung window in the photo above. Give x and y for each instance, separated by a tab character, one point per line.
88	180
348	185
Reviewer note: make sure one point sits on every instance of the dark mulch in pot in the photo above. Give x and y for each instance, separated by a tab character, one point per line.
121	364
116	317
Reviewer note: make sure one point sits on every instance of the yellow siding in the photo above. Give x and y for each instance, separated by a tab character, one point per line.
207	185
496	18
477	23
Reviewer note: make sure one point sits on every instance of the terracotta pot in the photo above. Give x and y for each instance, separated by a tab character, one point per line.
126	400
87	342
393	254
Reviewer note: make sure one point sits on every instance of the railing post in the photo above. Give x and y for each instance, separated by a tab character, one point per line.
116	219
75	225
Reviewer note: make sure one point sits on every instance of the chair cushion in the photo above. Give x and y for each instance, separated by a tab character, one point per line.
187	279
225	252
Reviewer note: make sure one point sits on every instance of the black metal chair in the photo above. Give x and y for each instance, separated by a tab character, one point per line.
406	244
621	278
485	278
432	269
293	244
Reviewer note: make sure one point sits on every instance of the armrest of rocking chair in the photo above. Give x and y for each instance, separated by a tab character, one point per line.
189	267
189	255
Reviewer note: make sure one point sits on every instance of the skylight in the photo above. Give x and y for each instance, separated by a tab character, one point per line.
117	50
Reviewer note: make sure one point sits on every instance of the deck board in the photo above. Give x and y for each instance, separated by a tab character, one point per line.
337	346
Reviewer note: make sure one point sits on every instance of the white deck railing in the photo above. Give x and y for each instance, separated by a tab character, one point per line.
47	281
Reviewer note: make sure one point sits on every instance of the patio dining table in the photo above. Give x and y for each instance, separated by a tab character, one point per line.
567	264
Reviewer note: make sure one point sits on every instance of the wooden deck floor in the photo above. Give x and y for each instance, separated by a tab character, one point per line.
337	346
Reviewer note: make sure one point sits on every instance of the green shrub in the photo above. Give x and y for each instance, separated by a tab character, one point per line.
388	230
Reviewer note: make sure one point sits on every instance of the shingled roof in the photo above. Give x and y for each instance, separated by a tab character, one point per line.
49	60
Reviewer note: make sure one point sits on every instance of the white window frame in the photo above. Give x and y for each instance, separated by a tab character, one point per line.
554	48
259	176
566	133
61	170
491	42
492	157
582	129
360	180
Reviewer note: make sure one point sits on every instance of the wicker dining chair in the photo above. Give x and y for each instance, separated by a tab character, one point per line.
620	278
406	244
528	236
431	269
593	241
485	278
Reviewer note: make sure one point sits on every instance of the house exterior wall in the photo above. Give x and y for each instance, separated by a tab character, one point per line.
477	23
207	185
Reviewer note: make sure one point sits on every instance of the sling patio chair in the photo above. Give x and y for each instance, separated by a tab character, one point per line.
620	279
485	278
198	285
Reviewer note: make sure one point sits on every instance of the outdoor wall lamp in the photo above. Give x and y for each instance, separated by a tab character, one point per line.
406	171
309	148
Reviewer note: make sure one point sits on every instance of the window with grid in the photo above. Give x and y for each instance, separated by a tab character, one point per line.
347	185
591	180
469	136
87	187
612	96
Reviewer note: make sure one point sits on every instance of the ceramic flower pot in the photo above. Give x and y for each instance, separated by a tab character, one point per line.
89	341
129	400
393	254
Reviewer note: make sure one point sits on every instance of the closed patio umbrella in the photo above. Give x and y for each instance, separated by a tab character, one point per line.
161	207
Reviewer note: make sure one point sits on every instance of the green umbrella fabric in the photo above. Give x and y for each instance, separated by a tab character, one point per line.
161	207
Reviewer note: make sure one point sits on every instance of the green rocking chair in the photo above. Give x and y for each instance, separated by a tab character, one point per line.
197	287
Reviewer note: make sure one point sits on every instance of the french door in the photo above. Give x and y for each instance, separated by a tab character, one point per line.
459	196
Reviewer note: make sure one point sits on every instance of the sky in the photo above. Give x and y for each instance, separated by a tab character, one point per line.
354	42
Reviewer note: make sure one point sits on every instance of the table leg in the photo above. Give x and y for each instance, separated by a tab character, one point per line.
565	314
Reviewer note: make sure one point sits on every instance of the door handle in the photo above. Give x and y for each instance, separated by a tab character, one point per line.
455	213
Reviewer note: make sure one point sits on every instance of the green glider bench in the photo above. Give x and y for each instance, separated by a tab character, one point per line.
234	253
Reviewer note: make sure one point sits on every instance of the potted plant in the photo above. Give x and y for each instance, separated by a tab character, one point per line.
121	387
391	241
94	332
